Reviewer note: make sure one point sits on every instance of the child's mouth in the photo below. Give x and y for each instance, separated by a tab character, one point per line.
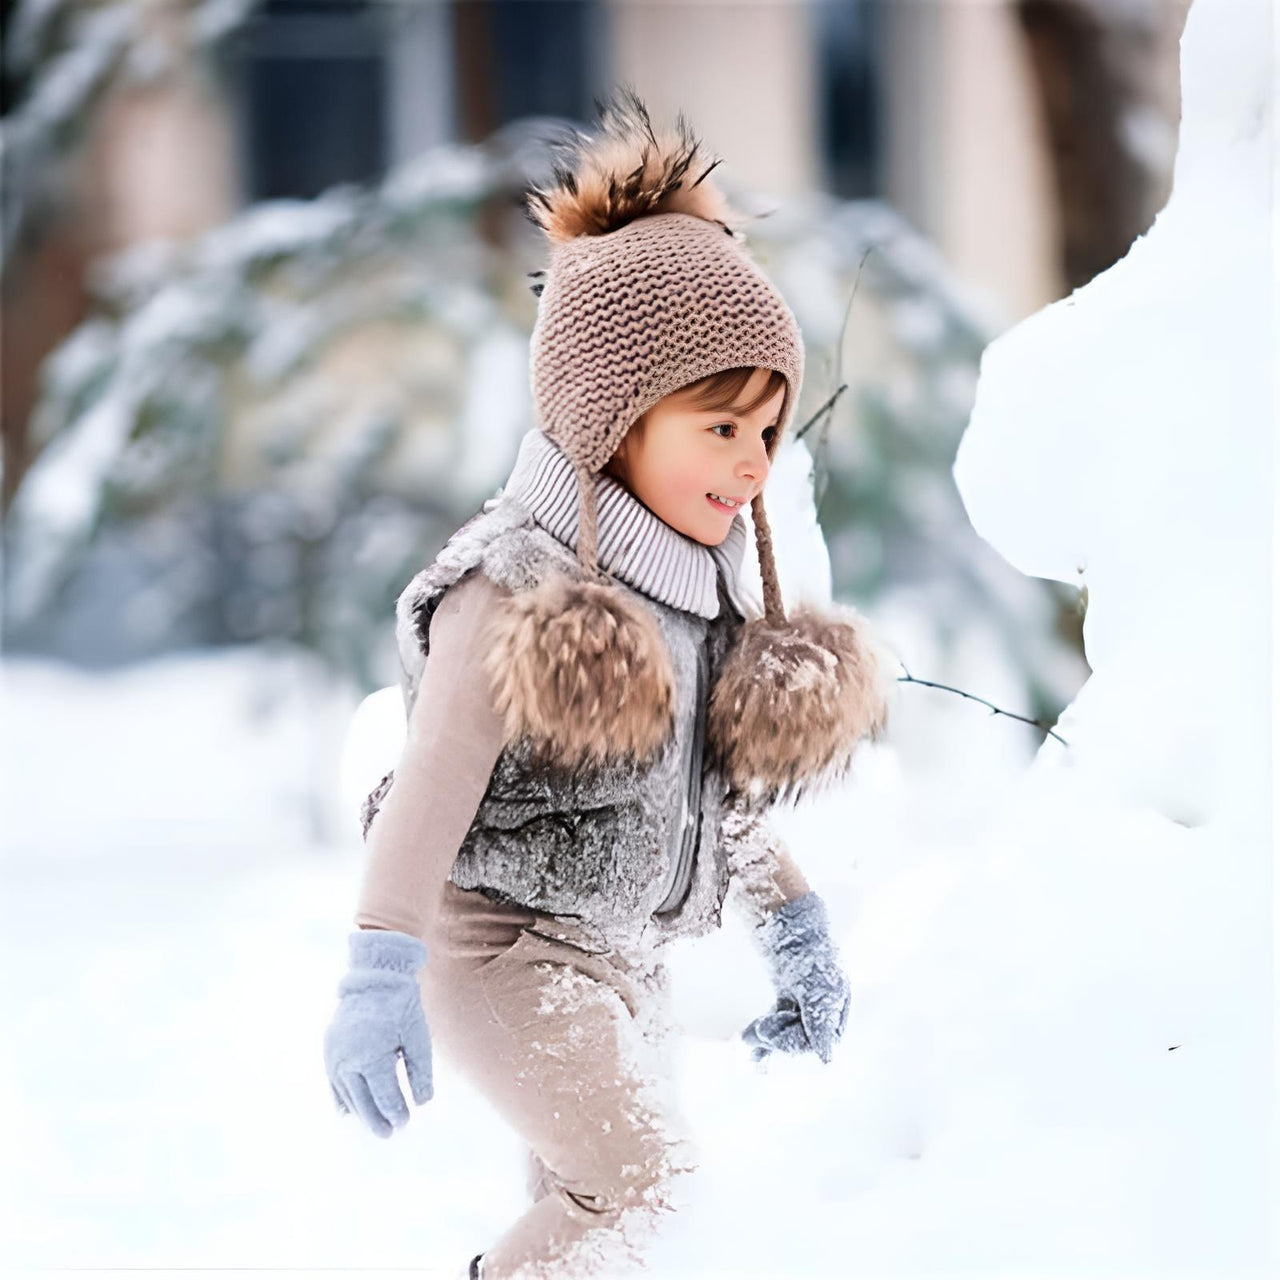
724	506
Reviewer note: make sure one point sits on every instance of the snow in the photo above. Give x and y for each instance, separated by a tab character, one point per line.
57	509
101	43
461	173
1147	473
1059	1059
60	502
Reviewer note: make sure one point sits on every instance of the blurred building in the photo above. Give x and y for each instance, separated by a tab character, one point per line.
1030	141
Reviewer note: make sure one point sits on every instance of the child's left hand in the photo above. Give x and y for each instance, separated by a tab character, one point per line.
813	991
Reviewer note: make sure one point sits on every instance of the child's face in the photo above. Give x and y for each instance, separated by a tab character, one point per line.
676	456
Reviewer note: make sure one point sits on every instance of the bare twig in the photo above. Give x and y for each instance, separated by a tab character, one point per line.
825	413
995	711
844	323
823	408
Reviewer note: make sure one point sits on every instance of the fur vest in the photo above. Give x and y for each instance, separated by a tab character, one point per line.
625	845
634	726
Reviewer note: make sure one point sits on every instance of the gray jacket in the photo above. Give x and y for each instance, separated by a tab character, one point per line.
625	849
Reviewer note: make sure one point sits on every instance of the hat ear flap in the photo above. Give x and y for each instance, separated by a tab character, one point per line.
794	700
582	671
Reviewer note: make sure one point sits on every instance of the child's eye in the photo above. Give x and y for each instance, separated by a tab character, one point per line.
769	434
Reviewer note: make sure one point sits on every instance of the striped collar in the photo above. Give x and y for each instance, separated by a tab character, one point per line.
633	544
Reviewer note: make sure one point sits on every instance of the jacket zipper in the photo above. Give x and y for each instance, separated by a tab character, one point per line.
691	816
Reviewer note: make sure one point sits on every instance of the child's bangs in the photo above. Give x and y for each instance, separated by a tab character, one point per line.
720	392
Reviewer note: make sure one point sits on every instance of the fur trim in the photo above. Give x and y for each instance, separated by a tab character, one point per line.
582	671
628	172
792	703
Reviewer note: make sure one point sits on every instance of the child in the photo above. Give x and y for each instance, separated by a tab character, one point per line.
598	721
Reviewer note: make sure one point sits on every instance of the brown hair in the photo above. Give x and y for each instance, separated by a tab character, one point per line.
721	390
715	391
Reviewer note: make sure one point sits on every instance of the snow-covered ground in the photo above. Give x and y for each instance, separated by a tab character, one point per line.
1060	1056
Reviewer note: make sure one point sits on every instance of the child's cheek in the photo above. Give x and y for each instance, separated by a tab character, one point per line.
690	481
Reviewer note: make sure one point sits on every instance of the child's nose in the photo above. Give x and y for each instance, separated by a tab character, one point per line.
754	464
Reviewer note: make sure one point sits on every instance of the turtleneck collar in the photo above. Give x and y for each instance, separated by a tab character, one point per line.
634	545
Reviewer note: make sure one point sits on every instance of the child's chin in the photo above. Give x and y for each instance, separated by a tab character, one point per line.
711	534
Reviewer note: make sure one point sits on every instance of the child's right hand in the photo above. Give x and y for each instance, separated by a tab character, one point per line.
379	1016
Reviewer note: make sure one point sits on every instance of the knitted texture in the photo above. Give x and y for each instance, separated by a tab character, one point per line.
649	288
634	545
629	317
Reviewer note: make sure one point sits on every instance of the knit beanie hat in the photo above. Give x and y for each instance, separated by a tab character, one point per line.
650	287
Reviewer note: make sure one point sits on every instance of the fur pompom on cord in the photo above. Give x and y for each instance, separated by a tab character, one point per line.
628	172
795	699
582	671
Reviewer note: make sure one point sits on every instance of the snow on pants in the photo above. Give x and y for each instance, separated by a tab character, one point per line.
571	1044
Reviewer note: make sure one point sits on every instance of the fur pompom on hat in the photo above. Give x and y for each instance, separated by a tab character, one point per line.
648	289
623	176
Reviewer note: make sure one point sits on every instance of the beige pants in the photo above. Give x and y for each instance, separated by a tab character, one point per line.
571	1044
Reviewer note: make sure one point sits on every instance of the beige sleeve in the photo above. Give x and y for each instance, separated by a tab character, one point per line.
454	737
762	873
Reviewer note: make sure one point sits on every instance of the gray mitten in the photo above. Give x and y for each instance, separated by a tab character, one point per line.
813	992
379	1016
